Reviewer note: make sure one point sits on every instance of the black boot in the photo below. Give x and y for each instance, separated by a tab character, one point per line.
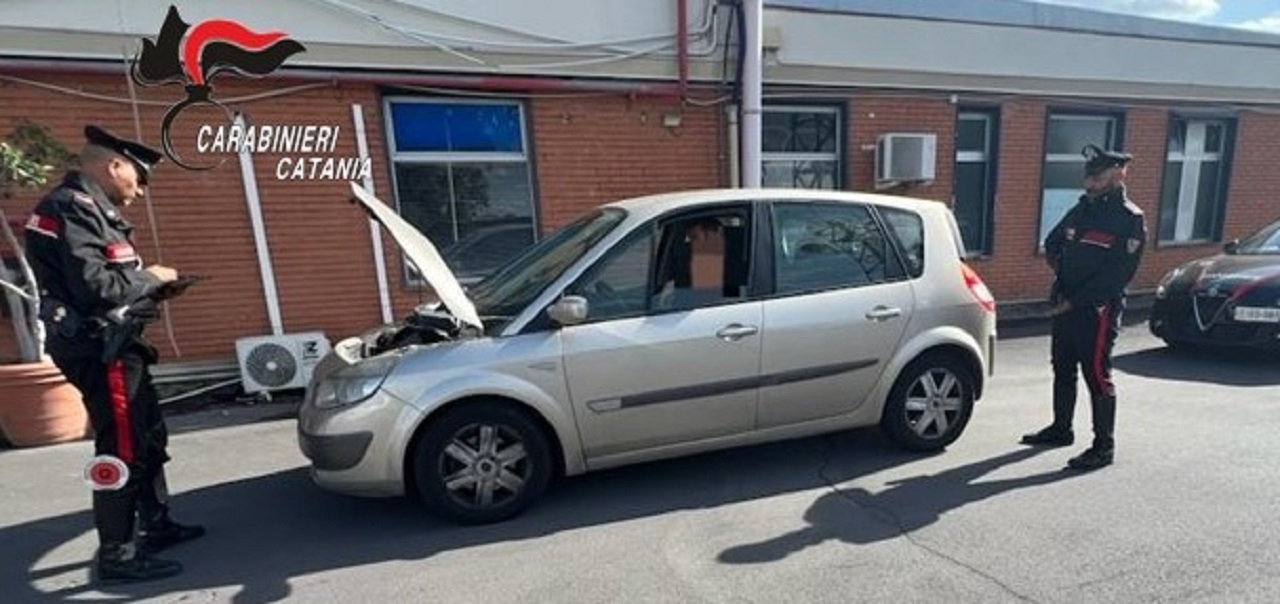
1093	458
1052	436
123	564
164	533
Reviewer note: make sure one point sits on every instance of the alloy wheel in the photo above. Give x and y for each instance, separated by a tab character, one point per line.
484	465
934	403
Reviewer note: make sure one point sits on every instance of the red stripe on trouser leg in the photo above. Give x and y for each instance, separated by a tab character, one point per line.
119	393
1100	379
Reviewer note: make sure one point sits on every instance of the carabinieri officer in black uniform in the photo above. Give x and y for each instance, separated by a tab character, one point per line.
81	249
1094	252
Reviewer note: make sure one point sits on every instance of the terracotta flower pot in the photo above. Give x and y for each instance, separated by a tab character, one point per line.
38	406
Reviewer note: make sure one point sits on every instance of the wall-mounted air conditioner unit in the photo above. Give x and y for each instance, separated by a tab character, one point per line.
279	362
905	157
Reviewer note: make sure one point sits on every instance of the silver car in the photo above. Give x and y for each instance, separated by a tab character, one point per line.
652	328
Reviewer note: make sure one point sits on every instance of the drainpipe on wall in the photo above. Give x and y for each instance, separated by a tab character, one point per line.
752	79
734	145
259	235
375	230
682	46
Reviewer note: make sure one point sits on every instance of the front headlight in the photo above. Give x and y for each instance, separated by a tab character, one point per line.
355	383
1162	288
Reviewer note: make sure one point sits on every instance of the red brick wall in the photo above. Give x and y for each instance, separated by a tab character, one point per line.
872	116
586	151
1015	270
319	244
599	149
1253	199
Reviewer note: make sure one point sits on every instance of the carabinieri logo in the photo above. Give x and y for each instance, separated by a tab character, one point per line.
194	55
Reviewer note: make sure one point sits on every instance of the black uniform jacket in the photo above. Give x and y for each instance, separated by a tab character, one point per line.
81	249
1095	249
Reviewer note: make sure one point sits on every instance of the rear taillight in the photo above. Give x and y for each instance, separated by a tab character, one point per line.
978	288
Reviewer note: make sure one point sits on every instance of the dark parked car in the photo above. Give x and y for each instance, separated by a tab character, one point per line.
1229	299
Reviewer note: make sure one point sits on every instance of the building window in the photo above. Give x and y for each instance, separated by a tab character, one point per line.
1195	185
1066	135
462	177
800	147
975	190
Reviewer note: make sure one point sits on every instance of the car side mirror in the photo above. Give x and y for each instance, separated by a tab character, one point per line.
1231	247
569	310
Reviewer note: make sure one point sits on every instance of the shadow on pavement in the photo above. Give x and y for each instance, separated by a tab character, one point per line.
1229	367
860	517
1034	327
265	530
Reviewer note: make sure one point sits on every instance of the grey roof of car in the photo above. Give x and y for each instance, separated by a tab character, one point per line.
1020	13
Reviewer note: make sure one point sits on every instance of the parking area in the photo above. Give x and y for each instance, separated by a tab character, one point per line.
1184	515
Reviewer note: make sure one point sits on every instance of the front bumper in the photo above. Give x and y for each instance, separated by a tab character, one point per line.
358	450
1175	319
334	453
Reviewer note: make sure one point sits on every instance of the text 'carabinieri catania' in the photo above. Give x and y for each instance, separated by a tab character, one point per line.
308	150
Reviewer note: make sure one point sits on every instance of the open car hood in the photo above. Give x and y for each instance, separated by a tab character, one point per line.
423	255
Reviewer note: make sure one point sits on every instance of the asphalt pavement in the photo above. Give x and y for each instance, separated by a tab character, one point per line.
1187	513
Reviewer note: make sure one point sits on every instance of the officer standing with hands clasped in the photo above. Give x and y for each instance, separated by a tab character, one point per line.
95	297
1094	252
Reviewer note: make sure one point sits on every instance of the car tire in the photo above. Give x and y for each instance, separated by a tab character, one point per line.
481	463
930	404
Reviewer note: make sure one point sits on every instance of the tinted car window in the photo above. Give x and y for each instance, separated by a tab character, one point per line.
510	289
686	262
1266	241
908	229
618	286
824	246
487	248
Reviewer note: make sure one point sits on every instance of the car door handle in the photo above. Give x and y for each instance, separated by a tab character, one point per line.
736	331
883	313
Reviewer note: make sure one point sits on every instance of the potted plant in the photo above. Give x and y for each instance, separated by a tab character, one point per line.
38	406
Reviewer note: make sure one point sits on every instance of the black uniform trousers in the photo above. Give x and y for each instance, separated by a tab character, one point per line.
1082	343
125	413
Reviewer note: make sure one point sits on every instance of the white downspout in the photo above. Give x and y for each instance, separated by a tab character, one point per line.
752	81
375	230
250	181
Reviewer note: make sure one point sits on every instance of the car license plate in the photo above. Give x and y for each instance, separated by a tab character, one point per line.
1254	314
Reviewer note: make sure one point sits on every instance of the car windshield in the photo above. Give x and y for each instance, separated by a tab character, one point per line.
516	284
1267	241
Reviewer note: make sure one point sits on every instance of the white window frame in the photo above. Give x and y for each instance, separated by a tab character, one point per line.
448	157
1189	186
834	156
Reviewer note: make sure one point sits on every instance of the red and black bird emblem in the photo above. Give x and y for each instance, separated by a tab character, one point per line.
194	55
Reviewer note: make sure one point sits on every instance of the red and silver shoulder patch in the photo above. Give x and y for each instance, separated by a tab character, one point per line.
121	252
44	225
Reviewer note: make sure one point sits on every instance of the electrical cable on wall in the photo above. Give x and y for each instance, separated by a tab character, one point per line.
434	40
249	98
700	32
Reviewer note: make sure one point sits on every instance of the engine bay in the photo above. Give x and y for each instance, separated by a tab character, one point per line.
427	324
